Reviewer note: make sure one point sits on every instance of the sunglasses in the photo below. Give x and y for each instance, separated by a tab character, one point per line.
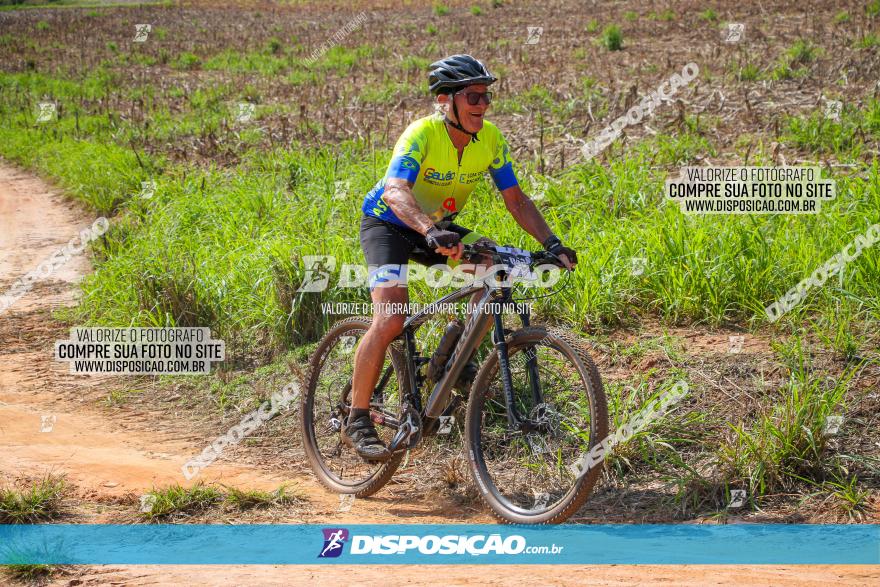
474	98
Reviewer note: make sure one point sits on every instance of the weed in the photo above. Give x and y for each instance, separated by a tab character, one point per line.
40	502
177	500
254	498
787	443
186	61
612	38
30	574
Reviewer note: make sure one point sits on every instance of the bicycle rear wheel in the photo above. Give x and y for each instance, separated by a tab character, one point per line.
327	401
525	476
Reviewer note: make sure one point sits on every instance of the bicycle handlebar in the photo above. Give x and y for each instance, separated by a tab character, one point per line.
475	252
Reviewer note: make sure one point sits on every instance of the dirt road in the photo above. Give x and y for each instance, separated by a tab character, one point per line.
49	422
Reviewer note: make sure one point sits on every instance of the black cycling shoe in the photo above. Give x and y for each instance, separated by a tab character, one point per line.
360	434
468	374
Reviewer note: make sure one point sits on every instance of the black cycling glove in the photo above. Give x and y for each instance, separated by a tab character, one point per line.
437	237
555	246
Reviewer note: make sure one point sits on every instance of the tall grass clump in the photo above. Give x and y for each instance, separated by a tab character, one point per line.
612	38
37	503
787	444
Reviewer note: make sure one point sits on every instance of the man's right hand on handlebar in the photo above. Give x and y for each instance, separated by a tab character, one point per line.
445	242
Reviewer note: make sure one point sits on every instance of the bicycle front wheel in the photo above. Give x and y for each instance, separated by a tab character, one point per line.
524	471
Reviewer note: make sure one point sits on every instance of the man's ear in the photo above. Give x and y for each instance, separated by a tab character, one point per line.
442	103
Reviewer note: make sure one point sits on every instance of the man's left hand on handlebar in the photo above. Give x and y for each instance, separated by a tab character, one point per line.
565	254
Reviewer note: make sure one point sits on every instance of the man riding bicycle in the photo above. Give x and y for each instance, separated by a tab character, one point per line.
408	215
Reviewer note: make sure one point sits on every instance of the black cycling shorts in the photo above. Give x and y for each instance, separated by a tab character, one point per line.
386	244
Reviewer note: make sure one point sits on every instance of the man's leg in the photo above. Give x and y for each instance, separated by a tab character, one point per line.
370	354
386	249
388	319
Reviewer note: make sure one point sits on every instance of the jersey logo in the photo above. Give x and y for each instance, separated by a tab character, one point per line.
468	178
431	175
449	204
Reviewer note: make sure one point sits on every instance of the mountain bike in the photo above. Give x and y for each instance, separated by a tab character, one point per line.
535	406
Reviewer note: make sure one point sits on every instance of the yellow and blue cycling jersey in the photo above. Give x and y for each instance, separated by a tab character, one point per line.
424	155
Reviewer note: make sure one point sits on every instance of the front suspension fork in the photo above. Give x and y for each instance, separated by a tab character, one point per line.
532	366
513	419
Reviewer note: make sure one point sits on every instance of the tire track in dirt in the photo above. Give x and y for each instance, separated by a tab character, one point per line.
78	442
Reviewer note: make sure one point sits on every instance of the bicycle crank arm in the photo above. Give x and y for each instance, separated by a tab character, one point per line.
409	433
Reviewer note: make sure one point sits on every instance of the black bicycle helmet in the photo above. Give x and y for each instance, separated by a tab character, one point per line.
453	73
457	71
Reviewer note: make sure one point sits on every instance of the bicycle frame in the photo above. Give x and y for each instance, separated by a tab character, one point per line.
476	328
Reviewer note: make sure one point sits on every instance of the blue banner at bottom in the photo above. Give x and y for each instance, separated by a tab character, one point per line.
439	544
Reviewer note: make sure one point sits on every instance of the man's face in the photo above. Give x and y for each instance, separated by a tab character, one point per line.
470	117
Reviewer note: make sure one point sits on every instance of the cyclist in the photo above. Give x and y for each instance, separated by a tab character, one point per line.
408	215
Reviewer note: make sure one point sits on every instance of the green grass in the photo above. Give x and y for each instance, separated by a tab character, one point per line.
177	500
795	61
868	41
343	59
263	62
47	4
748	72
38	503
273	46
186	61
476	10
29	574
221	244
709	15
660	442
254	498
786	444
666	15
385	92
612	38
803	52
182	258
845	137
837	329
441	10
